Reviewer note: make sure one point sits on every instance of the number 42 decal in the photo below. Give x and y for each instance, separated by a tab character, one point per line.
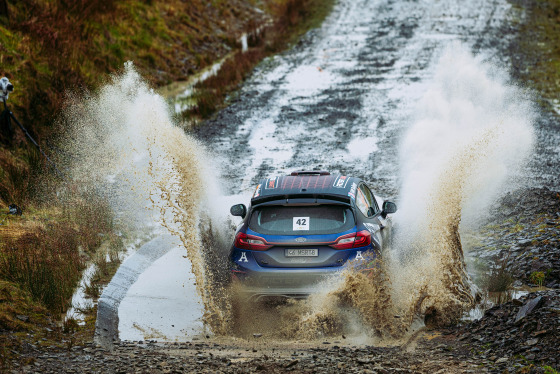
301	223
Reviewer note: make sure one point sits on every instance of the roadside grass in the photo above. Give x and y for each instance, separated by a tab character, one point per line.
42	256
45	250
538	44
25	322
46	262
538	277
527	366
499	279
17	175
68	45
550	370
15	303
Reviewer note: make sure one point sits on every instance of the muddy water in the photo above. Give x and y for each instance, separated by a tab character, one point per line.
472	134
124	145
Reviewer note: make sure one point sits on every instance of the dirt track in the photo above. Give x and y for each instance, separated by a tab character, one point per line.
354	84
250	357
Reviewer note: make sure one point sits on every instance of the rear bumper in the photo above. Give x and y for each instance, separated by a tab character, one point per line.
257	281
287	283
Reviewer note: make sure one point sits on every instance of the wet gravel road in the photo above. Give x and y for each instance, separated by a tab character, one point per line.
202	357
342	97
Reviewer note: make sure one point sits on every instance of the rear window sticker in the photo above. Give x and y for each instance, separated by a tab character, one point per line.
257	191
341	181
271	183
352	192
301	223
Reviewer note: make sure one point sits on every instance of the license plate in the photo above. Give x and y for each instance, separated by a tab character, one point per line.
301	252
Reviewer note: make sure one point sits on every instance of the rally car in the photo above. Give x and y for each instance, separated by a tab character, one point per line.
303	227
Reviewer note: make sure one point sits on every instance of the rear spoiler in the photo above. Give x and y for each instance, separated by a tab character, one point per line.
309	172
303	198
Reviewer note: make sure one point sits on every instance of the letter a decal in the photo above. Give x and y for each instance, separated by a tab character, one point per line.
243	257
359	255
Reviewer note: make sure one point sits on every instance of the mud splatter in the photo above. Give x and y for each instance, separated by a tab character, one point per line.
124	145
472	137
473	134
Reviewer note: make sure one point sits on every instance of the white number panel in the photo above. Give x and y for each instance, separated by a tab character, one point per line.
301	223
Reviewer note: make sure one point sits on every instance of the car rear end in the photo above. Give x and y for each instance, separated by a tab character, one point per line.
287	247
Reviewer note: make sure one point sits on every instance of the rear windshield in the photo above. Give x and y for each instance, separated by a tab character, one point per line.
301	220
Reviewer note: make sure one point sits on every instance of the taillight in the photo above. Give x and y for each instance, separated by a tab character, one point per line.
354	240
345	242
254	243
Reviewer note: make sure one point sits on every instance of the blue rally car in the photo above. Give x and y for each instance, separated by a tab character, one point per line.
303	227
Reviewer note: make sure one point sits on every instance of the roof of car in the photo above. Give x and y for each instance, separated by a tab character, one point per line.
306	184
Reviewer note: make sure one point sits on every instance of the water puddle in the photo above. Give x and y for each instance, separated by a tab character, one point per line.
162	304
180	94
491	299
82	302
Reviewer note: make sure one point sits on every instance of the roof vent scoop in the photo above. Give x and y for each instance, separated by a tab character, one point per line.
309	172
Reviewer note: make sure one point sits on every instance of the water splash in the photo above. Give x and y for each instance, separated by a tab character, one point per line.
125	146
472	135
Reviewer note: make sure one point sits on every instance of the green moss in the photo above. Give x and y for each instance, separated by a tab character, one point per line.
550	370
517	228
116	50
537	277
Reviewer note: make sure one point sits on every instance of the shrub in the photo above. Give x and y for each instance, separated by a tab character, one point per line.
499	280
537	277
44	262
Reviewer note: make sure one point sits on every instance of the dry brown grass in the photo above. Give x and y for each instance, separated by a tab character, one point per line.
44	251
46	263
48	47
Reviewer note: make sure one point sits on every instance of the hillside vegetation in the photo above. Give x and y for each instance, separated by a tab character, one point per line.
48	47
